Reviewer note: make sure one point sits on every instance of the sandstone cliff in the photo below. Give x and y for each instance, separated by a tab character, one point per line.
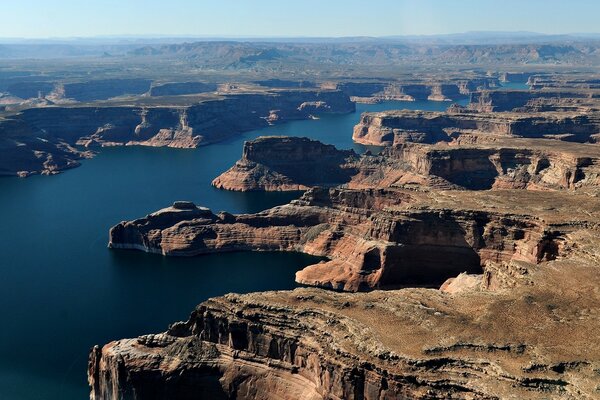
535	101
525	329
372	238
385	128
287	163
183	126
282	163
25	151
446	90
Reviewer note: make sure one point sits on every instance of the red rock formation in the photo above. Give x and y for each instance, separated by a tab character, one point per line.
372	239
281	163
388	127
287	163
532	341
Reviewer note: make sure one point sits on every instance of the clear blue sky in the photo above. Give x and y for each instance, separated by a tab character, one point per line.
68	18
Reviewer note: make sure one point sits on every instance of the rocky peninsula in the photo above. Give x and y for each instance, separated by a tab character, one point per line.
453	253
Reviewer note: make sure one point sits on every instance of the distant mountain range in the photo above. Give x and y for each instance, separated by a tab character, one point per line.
528	47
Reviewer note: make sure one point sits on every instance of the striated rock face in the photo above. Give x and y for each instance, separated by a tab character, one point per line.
532	341
104	89
28	90
373	92
185	126
372	239
515	316
287	163
534	101
516	76
25	151
385	128
282	163
507	164
577	81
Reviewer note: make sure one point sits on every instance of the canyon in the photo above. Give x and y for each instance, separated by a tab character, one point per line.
528	256
448	254
60	128
279	164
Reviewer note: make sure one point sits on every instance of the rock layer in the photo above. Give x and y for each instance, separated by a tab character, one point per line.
183	126
388	127
25	151
372	239
287	163
413	344
281	163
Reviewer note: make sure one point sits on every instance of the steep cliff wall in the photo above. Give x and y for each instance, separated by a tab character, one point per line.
557	100
25	151
373	239
288	163
526	332
282	163
417	344
185	126
104	89
181	88
385	128
369	92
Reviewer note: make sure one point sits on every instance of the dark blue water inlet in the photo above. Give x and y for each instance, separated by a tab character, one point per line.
62	290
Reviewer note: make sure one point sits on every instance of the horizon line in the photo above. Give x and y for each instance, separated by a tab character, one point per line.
224	36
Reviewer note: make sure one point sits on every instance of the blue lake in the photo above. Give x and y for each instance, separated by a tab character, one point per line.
62	290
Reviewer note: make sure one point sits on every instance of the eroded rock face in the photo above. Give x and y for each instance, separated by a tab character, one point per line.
181	88
450	89
412	343
535	101
372	238
287	163
185	126
25	151
282	163
517	270
103	89
388	127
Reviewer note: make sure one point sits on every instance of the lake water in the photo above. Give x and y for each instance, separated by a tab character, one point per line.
62	290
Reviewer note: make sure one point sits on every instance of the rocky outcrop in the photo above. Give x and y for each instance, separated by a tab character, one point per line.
516	76
385	128
531	342
28	89
25	151
372	239
509	164
282	163
577	81
183	126
373	92
104	89
288	163
534	101
517	272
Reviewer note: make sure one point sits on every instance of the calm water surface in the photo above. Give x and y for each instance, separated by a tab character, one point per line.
62	290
